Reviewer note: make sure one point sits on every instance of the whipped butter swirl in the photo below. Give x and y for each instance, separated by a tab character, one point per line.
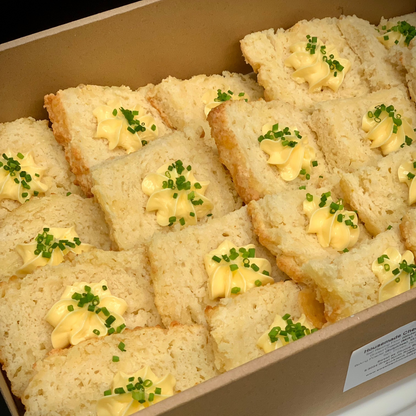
400	34
284	331
333	225
50	247
407	174
233	270
123	127
85	310
133	392
176	195
20	177
288	150
318	64
396	273
213	98
387	129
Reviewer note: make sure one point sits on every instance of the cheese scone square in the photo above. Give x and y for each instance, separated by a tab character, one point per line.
268	50
118	186
282	226
76	114
23	225
408	229
339	127
237	128
362	37
347	284
236	325
24	304
185	103
179	275
88	369
39	154
381	194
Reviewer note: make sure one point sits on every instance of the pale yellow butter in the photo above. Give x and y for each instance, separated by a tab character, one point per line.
20	177
314	69
229	276
407	174
289	159
127	403
77	323
210	99
183	204
392	278
32	259
382	133
330	231
265	342
113	126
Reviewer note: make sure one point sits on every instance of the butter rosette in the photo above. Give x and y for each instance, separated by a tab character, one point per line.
20	177
124	127
233	270
288	151
387	129
399	34
50	247
133	392
284	331
176	195
213	98
407	174
395	272
333	225
317	64
85	310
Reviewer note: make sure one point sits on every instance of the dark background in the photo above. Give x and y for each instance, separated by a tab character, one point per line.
18	19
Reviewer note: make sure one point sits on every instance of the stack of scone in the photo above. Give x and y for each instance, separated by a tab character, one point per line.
153	239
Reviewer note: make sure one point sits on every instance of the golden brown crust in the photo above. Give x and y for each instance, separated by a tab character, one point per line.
313	309
408	229
151	99
231	156
58	117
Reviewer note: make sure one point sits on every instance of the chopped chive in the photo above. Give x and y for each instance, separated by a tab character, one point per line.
116	359
257	283
96	332
235	290
70	308
233	267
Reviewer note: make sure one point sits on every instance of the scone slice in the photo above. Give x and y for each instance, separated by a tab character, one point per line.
362	37
339	128
88	369
118	188
39	152
347	284
378	194
185	103
237	128
282	225
24	303
72	112
179	276
236	325
268	50
23	225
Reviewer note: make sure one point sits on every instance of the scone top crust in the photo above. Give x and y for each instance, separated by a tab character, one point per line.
180	102
347	284
178	272
24	224
118	186
74	124
236	127
183	351
24	304
339	132
266	52
29	135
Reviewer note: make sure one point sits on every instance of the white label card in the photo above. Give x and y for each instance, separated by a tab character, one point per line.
382	355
